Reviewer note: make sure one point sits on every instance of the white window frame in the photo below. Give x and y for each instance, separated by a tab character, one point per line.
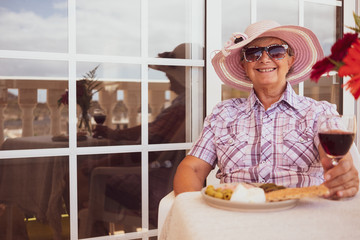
195	19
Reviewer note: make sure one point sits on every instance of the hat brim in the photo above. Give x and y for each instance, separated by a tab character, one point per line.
306	47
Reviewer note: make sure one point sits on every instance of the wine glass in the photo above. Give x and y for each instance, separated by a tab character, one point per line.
336	134
99	117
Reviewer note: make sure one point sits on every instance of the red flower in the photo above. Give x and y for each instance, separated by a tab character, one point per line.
320	68
352	68
353	85
64	99
345	59
334	61
339	49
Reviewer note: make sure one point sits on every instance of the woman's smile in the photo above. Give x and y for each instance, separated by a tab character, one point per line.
265	70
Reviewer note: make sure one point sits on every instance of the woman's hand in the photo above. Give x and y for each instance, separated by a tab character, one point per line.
102	131
342	179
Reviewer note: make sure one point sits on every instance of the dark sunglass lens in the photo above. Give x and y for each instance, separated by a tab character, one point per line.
277	52
253	54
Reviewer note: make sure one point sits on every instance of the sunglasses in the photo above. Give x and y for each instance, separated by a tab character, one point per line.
276	51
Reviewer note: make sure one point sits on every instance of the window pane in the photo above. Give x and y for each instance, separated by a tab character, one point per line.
328	88
31	116
35	189
229	92
109	194
119	98
33	25
170	24
284	12
108	27
322	20
167	102
235	17
162	168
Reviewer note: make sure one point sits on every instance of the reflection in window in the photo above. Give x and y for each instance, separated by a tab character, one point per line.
170	24
167	123
328	88
284	12
323	21
34	25
109	27
109	194
235	17
229	92
162	168
118	98
30	90
34	189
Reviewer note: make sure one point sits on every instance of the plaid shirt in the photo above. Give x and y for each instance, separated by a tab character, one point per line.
278	145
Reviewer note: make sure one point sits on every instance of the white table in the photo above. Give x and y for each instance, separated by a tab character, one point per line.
191	218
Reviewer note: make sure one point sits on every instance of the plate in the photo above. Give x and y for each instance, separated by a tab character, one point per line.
246	207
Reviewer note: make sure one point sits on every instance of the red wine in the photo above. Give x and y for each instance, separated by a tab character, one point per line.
99	119
336	144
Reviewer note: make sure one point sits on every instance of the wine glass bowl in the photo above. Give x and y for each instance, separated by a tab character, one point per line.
336	135
99	116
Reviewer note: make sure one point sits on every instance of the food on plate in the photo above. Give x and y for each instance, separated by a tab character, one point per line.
296	193
268	192
221	193
269	187
247	193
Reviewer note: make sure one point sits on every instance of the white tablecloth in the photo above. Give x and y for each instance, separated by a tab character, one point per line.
191	218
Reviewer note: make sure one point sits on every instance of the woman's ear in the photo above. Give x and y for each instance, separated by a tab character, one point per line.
291	61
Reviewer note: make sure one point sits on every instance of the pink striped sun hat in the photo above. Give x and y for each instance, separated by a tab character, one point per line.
304	43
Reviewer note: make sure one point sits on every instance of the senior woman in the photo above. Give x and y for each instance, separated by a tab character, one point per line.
272	135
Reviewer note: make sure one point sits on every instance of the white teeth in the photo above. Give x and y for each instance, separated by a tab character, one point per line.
266	70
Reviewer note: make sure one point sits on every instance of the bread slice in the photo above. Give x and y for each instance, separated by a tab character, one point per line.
296	193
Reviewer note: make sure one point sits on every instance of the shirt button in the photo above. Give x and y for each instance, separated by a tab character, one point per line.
263	162
262	180
231	141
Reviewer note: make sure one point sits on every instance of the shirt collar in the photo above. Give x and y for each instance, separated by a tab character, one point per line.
289	96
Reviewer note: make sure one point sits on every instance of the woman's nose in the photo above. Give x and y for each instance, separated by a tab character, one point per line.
265	57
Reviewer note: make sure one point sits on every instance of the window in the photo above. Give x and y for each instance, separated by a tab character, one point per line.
143	62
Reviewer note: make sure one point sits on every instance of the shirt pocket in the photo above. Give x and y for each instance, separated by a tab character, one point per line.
298	149
232	151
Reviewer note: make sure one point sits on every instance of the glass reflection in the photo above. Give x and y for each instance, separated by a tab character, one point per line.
33	189
34	25
328	88
117	92
228	92
108	27
235	17
162	168
170	23
109	194
284	12
30	115
322	20
167	101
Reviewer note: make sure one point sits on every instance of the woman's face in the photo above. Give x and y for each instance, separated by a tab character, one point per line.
267	72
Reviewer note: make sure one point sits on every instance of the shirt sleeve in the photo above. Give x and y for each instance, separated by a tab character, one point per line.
204	148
